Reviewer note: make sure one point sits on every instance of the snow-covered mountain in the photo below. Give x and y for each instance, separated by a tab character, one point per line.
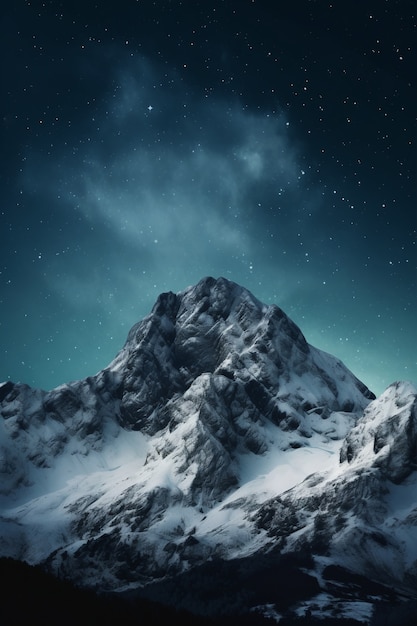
217	434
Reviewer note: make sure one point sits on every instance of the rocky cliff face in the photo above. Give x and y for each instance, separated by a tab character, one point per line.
363	512
220	330
386	434
216	432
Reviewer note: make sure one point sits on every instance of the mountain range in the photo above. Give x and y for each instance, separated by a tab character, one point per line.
219	464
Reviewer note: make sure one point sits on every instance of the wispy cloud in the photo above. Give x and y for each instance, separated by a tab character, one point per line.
174	183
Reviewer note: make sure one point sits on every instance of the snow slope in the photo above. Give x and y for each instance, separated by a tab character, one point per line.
362	512
216	432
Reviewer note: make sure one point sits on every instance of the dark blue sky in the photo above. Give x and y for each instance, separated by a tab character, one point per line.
148	144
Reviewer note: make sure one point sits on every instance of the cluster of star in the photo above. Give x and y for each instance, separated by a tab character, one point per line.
154	145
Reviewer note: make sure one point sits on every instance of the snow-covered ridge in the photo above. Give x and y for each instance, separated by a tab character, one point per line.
387	432
215	420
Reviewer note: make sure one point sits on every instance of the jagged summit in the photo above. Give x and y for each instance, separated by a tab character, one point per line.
220	329
212	304
217	432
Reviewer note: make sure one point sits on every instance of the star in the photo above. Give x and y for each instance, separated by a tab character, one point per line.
296	173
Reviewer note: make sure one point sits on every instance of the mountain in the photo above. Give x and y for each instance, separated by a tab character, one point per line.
216	452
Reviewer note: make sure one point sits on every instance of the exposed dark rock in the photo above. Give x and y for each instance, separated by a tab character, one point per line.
209	384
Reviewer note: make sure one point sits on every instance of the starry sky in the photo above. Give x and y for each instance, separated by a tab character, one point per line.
146	144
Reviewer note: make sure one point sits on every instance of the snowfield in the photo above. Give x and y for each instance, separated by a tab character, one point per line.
217	432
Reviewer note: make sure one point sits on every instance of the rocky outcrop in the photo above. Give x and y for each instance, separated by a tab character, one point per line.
363	514
387	434
217	432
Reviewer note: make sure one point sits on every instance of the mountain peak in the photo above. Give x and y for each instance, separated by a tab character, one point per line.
217	297
217	432
219	328
214	293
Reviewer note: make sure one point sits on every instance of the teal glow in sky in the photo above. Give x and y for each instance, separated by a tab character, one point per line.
149	148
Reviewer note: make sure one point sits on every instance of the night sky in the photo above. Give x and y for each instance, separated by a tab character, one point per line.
148	144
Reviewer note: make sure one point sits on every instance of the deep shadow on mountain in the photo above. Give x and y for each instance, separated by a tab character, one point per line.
225	591
217	432
221	587
30	595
